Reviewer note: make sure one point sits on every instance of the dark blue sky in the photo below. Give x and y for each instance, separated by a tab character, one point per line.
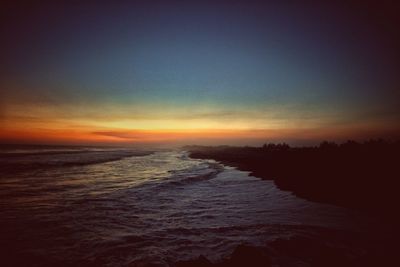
324	64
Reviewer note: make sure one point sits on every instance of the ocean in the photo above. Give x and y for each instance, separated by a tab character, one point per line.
86	206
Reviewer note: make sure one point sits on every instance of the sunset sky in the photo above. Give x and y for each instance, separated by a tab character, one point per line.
206	72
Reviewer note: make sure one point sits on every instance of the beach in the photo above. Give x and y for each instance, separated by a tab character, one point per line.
163	208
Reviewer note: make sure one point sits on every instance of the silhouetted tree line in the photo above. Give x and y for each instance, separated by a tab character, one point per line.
352	174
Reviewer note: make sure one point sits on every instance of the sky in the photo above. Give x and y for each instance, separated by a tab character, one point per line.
198	72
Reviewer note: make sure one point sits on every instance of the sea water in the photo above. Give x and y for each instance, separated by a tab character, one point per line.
123	207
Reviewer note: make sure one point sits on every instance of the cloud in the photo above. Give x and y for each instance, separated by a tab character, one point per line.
131	135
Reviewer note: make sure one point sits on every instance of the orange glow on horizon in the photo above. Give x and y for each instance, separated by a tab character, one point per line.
129	136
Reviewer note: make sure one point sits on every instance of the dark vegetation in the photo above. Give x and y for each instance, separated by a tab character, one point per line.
364	176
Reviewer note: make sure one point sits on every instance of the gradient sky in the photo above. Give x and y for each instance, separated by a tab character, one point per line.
217	72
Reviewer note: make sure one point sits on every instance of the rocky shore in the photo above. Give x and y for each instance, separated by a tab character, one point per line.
302	251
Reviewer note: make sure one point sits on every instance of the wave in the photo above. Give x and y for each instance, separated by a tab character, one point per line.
194	173
201	172
30	160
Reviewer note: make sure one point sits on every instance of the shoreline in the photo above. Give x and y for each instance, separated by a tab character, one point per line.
351	175
360	177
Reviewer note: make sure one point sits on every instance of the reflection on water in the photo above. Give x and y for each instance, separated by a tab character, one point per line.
153	208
